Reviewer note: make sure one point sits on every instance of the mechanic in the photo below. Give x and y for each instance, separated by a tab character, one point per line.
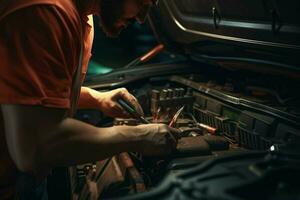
43	45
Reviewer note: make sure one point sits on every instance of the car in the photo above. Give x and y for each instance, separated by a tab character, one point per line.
235	67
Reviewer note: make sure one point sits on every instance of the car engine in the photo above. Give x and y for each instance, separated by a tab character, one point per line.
239	132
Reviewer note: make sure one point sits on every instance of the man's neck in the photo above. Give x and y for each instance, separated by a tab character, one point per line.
88	7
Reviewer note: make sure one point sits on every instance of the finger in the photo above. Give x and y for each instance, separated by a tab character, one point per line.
171	144
120	112
171	139
174	145
132	100
137	105
175	132
119	93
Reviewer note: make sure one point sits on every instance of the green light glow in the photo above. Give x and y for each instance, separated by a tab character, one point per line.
96	68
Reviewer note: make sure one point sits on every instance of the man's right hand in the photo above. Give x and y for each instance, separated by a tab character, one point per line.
157	139
47	139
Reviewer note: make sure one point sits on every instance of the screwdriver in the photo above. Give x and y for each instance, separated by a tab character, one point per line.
132	111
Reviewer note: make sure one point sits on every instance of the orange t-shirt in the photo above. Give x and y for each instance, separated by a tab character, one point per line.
39	54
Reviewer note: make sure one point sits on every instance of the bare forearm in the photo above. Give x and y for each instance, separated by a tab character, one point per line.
47	139
75	142
88	99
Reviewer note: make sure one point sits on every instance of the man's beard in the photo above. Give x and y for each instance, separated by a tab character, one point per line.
110	30
110	13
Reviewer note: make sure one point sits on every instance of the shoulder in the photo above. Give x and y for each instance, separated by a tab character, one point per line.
45	15
8	7
39	50
40	35
41	22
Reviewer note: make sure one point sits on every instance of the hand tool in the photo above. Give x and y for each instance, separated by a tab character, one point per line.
128	107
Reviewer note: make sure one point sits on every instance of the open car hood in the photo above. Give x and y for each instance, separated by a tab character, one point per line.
232	33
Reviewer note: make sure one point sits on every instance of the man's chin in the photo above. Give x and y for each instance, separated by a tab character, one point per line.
111	32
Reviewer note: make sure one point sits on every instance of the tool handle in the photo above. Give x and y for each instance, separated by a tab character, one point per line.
128	107
131	110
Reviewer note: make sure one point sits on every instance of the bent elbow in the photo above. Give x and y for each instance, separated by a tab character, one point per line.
25	167
28	163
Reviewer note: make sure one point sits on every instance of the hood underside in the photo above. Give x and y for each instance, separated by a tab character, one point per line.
252	31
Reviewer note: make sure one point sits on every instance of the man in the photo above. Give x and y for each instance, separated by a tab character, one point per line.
41	42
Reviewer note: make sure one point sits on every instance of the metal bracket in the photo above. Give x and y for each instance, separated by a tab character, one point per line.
216	17
276	22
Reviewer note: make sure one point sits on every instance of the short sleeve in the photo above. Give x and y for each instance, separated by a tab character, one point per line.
39	51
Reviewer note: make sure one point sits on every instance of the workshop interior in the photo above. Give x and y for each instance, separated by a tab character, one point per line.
226	73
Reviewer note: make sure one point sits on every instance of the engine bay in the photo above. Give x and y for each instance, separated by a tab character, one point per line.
220	119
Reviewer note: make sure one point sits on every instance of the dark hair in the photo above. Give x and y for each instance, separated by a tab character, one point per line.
110	12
